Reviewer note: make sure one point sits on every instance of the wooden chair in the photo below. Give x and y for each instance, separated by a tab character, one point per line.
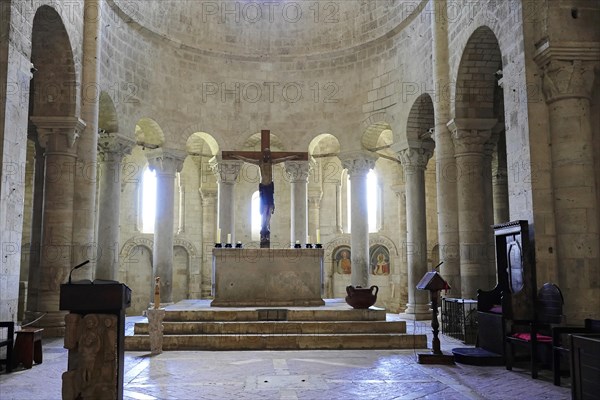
561	344
8	343
536	335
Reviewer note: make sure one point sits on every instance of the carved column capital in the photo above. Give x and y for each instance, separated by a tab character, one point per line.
113	147
165	161
568	69
208	196
358	162
297	171
413	158
226	171
58	134
470	135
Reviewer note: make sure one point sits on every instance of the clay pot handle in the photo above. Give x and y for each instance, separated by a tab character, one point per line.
350	290
376	289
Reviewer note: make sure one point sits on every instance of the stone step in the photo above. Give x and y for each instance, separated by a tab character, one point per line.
276	314
280	342
275	327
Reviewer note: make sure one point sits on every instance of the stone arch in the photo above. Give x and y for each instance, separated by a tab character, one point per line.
378	239
324	145
202	144
253	142
148	133
53	89
420	119
371	137
108	120
477	78
126	250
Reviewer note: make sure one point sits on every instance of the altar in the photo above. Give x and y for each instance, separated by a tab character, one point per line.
267	277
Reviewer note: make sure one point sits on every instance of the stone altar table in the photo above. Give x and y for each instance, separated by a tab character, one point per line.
267	277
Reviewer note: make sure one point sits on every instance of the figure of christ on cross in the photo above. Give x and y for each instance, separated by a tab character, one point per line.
265	160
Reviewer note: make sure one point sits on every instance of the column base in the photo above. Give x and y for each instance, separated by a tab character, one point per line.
53	322
417	312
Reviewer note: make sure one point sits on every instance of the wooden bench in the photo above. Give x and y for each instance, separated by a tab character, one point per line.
28	347
8	343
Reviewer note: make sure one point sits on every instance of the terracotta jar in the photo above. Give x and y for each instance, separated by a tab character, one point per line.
359	297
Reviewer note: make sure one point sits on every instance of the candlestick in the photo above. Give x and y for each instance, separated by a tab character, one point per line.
218	236
318	236
229	238
308	239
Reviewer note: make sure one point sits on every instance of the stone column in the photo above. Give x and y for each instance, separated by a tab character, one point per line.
470	137
297	172
358	164
445	169
36	231
166	163
112	147
401	294
209	213
84	208
500	181
314	212
227	174
568	77
58	135
414	161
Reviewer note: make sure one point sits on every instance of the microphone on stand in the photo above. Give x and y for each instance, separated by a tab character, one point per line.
77	267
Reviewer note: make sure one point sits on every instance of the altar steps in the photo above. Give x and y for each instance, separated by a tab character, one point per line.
334	326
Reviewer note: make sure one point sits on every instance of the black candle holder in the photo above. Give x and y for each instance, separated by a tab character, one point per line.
218	245
228	246
318	246
297	246
238	245
309	246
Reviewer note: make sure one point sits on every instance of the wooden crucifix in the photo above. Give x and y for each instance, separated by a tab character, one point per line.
265	160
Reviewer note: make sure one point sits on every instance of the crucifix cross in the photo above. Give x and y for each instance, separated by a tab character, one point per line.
265	160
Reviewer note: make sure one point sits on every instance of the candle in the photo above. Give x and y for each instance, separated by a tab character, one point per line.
229	238
318	236
297	242
218	236
308	239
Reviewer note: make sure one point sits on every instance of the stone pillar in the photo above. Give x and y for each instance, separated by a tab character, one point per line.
209	224
297	172
227	173
414	161
36	232
358	164
568	77
488	197
314	212
500	181
470	137
166	163
112	147
58	135
445	169
400	298
84	206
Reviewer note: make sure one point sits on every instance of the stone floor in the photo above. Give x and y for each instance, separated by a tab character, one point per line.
310	375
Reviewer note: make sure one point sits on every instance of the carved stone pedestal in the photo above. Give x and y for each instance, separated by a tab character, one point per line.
155	329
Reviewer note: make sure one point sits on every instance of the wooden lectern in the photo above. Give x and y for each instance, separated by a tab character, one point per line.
434	282
95	335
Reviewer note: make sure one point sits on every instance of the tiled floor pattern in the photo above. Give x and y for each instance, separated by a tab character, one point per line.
290	375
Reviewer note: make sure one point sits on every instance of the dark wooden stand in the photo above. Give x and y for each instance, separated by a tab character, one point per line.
436	356
28	347
105	298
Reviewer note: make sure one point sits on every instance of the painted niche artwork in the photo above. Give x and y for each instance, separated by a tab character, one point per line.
342	260
380	260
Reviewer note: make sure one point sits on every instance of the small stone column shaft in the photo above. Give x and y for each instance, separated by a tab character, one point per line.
111	150
166	163
358	165
297	172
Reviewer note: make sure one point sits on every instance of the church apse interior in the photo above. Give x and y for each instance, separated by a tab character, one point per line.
425	123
